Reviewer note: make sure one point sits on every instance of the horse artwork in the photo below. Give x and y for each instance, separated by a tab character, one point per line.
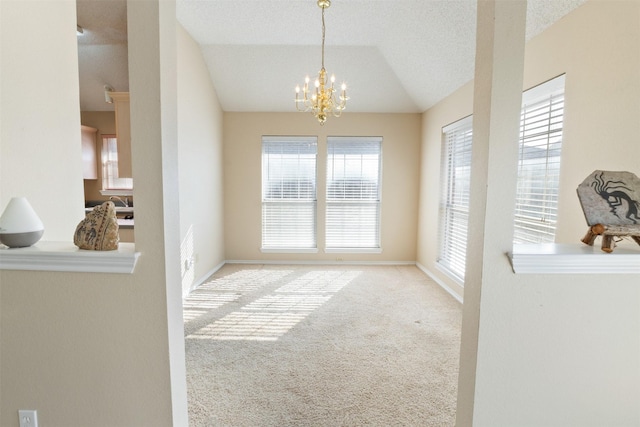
611	204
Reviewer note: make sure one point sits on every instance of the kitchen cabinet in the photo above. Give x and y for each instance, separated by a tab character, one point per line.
89	153
123	132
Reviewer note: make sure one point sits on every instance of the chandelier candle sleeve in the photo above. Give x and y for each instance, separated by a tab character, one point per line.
322	102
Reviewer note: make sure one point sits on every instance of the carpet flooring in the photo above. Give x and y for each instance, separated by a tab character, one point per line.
276	345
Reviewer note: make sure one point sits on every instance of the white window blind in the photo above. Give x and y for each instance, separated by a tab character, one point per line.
353	192
289	192
455	179
110	178
541	125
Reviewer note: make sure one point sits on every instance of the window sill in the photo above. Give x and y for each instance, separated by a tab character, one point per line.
65	256
123	192
288	251
573	259
353	250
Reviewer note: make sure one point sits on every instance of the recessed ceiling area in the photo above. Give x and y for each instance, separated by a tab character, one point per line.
395	56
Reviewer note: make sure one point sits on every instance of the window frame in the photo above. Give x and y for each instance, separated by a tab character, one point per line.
453	211
111	183
539	162
347	201
291	196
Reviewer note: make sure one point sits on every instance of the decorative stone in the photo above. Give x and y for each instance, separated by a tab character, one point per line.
610	198
99	230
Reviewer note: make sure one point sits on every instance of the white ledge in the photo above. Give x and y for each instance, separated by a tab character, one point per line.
573	259
65	256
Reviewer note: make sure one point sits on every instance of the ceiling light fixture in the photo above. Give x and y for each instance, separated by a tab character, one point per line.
107	94
322	101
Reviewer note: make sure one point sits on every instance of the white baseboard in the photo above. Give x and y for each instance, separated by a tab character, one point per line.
196	284
443	285
440	283
320	262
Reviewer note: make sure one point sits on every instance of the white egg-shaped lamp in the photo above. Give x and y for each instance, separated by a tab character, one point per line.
20	226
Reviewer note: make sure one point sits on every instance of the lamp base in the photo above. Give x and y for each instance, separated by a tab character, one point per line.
20	240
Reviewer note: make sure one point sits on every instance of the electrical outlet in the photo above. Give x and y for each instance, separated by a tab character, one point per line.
188	263
28	417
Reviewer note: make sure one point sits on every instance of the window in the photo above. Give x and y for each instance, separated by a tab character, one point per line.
540	146
541	125
353	193
455	179
289	193
110	179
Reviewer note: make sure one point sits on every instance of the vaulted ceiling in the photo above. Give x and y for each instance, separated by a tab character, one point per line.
395	55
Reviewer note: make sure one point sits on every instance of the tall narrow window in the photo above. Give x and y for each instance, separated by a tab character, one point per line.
289	193
541	125
110	177
455	179
353	193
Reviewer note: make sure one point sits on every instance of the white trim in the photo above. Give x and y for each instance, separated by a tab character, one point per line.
320	262
545	89
450	274
573	259
461	122
439	282
196	284
444	286
65	256
289	250
353	250
116	192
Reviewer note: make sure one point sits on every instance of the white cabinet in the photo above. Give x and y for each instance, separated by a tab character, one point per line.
89	153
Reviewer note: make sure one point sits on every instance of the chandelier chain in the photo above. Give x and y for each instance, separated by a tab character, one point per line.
323	31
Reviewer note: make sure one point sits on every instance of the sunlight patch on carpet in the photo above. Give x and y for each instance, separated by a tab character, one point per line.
293	303
245	281
320	282
271	316
253	326
219	291
197	305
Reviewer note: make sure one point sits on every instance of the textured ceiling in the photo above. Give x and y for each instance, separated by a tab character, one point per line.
394	55
102	51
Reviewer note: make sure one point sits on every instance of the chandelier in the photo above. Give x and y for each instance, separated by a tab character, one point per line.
322	100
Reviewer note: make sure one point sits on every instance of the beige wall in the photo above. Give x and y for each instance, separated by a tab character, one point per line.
90	349
200	161
598	47
400	172
559	350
